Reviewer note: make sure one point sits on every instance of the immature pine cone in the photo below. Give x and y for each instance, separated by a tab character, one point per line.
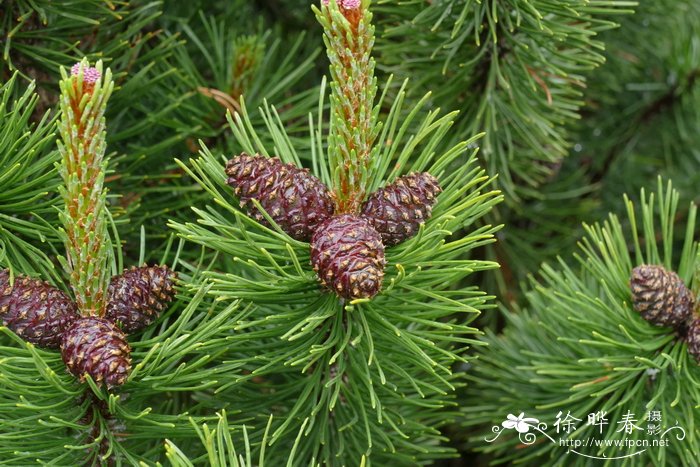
35	310
692	338
296	200
660	296
397	210
138	295
348	255
96	347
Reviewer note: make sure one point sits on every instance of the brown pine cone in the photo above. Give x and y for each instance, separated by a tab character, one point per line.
692	338
295	199
97	347
397	210
660	296
348	255
34	310
138	295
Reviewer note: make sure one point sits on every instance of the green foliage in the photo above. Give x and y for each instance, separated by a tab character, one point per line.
183	96
641	105
579	346
29	181
221	448
350	368
40	35
254	363
64	422
650	78
547	226
216	64
164	79
516	71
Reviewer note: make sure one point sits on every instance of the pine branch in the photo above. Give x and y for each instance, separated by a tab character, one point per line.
660	106
581	347
363	358
84	96
349	37
183	97
28	176
544	228
515	70
221	448
649	60
72	424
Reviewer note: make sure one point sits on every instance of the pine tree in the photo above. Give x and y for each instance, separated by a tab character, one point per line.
266	232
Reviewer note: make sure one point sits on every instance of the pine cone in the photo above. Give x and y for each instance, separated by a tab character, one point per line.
138	295
296	200
34	310
96	347
397	210
692	338
660	296
348	255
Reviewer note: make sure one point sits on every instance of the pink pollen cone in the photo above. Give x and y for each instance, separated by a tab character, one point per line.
347	4
90	75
